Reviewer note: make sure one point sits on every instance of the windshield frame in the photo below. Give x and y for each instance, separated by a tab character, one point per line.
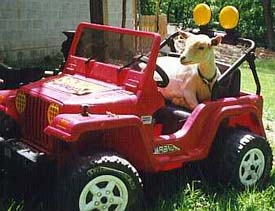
154	36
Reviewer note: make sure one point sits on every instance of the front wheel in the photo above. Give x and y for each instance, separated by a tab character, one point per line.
104	192
101	183
246	159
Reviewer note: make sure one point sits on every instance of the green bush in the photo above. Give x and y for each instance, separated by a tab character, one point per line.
251	25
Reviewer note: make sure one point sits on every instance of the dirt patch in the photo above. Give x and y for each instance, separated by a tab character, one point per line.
270	134
264	53
269	126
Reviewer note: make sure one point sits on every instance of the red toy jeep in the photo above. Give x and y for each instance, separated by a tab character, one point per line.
92	128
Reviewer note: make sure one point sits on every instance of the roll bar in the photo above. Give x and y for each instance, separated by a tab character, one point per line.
230	39
249	56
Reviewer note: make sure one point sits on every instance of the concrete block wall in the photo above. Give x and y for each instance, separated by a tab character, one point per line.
32	29
115	13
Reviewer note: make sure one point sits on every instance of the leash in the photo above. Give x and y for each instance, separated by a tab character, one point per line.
206	80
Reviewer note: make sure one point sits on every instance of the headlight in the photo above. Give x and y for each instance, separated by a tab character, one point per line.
20	102
202	14
229	17
53	111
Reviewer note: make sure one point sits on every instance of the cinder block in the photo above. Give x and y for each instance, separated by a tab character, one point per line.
115	5
3	25
38	24
7	14
35	6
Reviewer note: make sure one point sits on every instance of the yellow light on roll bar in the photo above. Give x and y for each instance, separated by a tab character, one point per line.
202	14
229	17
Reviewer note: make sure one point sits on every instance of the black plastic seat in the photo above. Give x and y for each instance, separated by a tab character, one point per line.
171	117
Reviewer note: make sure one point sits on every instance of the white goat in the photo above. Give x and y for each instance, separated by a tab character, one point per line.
193	75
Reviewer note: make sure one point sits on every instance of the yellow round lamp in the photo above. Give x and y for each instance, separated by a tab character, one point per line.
229	17
53	111
202	14
20	102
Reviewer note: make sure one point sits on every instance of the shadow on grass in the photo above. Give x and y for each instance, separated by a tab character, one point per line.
19	194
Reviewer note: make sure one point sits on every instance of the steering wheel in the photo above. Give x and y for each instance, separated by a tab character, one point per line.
165	79
169	41
141	58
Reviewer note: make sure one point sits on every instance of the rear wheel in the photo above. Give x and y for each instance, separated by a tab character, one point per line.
100	183
251	167
243	159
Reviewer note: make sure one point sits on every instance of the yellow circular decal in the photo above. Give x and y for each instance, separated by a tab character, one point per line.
20	102
229	17
202	14
53	110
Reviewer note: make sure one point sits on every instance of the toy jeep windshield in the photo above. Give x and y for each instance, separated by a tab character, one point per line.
90	131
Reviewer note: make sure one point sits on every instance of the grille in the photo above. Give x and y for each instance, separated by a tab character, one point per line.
35	121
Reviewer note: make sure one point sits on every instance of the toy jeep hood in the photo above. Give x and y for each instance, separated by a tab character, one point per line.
76	89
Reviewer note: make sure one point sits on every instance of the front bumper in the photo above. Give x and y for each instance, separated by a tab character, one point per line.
13	150
24	167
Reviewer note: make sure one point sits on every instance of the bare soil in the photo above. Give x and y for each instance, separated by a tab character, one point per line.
264	53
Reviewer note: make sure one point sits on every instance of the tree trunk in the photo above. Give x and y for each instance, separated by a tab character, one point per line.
123	24
169	10
268	15
157	14
96	11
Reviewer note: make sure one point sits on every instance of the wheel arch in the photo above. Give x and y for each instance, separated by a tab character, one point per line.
129	142
245	117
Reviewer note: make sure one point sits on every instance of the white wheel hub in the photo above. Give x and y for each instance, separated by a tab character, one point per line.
104	193
251	167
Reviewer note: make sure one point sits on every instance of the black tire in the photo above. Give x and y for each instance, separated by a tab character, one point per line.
2	118
8	127
104	180
242	159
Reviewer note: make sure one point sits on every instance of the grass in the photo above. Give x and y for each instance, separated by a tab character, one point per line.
186	190
197	199
201	196
11	205
266	72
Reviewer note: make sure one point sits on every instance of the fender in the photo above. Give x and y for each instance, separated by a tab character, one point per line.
69	127
5	95
237	116
7	103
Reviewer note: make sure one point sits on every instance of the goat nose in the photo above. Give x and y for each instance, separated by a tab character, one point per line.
182	58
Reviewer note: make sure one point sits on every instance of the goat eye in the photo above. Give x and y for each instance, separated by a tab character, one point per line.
201	48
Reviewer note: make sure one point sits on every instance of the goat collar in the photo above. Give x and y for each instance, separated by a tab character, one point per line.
206	80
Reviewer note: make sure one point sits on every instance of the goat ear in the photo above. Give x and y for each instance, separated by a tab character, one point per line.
185	34
216	40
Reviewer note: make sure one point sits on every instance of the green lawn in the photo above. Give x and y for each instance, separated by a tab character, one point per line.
190	195
182	190
266	72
